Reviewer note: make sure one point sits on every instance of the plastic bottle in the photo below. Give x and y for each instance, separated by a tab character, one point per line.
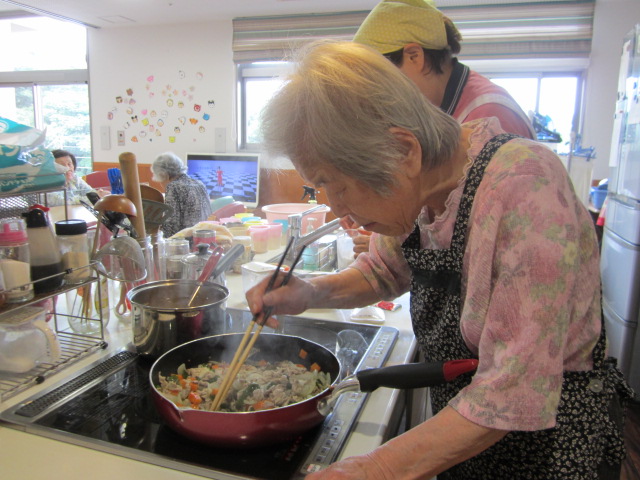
74	248
310	255
14	260
43	248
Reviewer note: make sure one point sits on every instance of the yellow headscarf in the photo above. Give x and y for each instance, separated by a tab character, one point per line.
392	24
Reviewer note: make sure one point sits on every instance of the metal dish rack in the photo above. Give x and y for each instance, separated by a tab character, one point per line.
73	346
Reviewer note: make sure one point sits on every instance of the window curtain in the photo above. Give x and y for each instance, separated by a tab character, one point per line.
550	29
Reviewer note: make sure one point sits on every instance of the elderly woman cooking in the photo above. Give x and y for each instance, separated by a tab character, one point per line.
187	196
501	259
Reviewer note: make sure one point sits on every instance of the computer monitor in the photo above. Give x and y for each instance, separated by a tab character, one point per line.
227	174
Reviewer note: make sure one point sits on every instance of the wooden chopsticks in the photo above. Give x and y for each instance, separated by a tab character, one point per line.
244	349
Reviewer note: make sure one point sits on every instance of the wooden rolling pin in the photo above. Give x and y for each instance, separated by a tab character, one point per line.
131	184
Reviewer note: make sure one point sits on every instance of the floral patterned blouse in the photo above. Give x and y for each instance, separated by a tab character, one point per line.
190	202
530	283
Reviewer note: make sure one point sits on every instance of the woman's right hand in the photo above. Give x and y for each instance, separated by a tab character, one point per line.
291	299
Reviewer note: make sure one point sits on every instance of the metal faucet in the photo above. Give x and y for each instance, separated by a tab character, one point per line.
295	229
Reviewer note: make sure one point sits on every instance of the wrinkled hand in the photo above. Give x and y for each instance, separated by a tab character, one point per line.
291	299
363	467
361	242
360	236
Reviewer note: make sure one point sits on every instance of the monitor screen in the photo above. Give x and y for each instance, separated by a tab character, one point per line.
227	174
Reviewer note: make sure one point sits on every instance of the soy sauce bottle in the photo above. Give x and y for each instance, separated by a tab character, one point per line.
45	256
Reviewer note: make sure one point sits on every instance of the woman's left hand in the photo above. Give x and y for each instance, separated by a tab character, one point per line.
362	467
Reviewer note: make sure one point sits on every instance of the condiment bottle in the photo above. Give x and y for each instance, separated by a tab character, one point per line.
74	248
46	260
14	260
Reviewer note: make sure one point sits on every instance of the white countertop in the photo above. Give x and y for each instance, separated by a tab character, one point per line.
27	456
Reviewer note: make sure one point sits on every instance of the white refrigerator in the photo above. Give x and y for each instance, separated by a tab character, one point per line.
620	256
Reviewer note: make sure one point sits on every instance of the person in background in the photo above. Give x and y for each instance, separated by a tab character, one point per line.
76	188
416	37
485	231
187	196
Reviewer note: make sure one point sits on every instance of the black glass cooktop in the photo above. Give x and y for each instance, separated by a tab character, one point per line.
109	408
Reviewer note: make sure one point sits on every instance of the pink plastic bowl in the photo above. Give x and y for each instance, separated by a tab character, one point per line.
281	211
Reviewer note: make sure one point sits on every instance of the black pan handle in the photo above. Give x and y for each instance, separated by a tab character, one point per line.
414	375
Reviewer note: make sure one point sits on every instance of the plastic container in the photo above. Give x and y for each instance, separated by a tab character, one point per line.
259	238
274	240
254	272
245	241
46	261
15	260
281	211
26	340
74	248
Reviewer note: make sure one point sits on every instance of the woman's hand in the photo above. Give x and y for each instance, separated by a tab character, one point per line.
291	299
363	467
360	236
361	242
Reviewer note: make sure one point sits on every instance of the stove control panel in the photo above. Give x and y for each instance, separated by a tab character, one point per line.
339	424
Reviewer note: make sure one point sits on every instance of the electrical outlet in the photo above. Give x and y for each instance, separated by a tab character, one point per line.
121	138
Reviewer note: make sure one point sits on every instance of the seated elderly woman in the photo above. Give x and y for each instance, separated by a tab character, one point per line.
187	196
76	188
501	259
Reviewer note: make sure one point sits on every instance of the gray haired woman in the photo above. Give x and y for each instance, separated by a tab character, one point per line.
187	196
501	259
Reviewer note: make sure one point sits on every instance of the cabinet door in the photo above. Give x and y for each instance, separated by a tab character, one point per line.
620	270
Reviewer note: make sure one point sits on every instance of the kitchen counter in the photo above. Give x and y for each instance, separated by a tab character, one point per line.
29	456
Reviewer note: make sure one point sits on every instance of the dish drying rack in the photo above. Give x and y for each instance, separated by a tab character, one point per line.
73	345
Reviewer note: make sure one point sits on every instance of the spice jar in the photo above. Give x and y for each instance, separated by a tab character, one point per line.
74	248
15	260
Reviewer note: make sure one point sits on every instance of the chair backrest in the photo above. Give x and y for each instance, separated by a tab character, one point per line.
98	180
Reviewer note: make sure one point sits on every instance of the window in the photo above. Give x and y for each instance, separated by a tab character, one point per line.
43	82
258	82
556	98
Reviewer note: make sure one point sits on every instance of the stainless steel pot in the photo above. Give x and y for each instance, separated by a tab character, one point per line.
162	320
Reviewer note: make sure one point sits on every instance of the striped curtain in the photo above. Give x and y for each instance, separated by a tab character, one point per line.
550	29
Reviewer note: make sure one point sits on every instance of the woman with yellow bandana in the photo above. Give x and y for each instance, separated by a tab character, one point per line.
417	38
421	41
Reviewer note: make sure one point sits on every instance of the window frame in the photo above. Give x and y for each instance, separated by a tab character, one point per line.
251	71
248	71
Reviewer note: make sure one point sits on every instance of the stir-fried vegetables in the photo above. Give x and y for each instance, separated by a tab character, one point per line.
258	386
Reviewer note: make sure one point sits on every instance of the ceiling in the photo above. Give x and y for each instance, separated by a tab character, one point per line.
120	13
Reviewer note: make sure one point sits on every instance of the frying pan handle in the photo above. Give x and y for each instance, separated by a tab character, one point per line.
414	375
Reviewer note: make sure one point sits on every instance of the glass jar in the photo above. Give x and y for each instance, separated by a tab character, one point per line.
174	250
83	307
15	260
193	263
74	248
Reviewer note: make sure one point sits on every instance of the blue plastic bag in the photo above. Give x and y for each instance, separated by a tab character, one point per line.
24	165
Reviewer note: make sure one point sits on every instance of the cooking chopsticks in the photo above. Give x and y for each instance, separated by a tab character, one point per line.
244	349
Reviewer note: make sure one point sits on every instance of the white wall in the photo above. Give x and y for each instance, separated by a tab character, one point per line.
613	19
152	70
126	57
